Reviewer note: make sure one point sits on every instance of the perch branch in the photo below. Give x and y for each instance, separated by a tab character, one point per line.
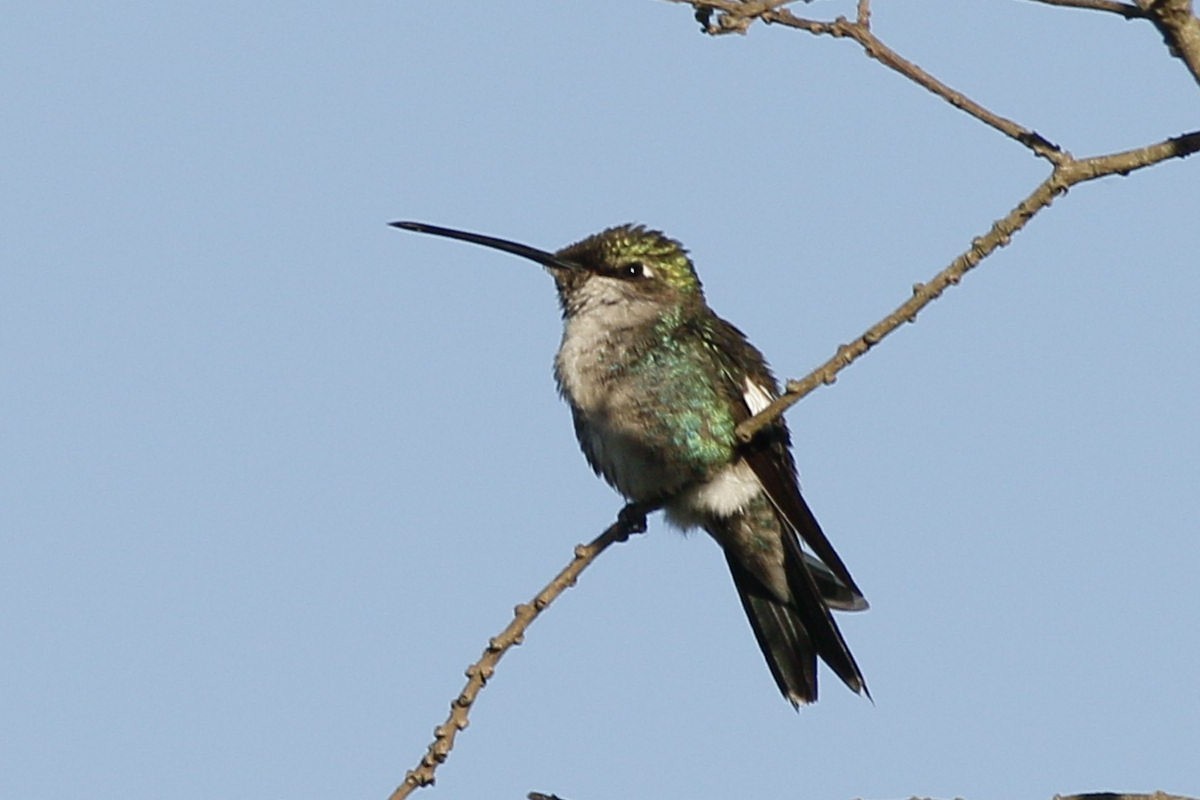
1065	175
632	519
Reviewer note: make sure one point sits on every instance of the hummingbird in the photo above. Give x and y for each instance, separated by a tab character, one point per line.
657	383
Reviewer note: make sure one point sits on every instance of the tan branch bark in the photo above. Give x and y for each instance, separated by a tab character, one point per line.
1090	796
1126	10
1121	796
736	17
632	519
1175	20
1065	175
1180	29
1173	17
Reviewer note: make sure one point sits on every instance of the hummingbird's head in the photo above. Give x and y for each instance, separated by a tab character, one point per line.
628	265
625	264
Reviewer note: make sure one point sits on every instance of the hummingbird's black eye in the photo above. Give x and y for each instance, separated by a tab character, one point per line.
634	269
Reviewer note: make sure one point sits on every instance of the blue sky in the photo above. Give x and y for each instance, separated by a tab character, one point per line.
274	472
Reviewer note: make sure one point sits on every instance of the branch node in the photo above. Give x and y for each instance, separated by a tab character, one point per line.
413	779
863	13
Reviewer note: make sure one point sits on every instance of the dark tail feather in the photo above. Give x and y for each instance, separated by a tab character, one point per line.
782	638
830	645
779	482
792	635
836	594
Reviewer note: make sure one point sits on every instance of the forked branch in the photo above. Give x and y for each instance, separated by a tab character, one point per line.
1065	175
1180	29
1173	18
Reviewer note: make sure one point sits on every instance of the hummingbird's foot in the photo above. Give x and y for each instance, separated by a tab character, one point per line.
632	518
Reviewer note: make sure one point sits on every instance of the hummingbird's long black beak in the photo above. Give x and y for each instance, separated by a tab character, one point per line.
516	248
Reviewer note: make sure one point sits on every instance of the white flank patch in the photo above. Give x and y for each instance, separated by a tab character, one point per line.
757	397
728	491
724	495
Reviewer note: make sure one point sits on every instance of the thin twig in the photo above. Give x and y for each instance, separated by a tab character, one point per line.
1174	19
862	13
1064	176
1126	10
736	17
1180	29
1121	796
876	49
1090	796
632	519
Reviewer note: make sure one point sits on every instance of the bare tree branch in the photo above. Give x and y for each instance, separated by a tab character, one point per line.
1065	175
1173	17
862	13
1175	20
1126	10
736	17
1090	796
1121	796
1180	29
632	519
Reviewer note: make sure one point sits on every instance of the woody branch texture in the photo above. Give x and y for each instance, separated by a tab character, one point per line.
1175	20
632	519
1180	30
